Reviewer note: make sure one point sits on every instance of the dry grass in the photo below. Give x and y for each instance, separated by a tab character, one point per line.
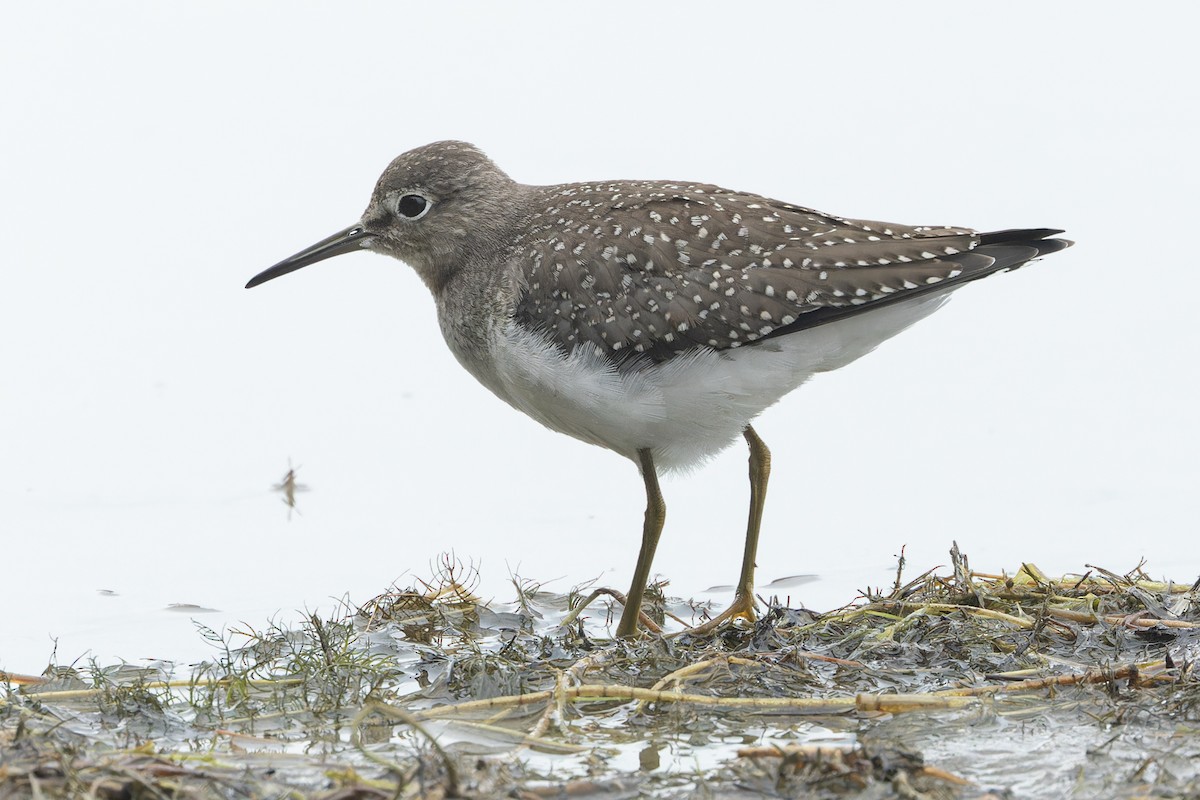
933	689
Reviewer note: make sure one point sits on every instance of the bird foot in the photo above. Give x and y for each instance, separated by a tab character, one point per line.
741	608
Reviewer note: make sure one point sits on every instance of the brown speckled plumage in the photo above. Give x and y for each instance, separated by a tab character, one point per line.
657	268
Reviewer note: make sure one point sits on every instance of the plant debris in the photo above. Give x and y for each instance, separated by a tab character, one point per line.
966	685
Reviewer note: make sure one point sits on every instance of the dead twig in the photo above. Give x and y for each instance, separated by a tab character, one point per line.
648	623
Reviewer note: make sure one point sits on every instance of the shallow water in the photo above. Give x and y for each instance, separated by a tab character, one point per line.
288	695
107	580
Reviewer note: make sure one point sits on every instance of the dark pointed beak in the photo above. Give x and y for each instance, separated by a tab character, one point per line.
353	238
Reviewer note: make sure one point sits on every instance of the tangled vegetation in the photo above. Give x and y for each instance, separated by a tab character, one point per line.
963	685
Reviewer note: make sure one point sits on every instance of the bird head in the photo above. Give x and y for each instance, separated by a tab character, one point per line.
434	208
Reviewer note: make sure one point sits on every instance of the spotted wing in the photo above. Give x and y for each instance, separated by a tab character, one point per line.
653	269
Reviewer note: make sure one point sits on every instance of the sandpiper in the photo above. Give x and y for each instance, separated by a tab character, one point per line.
655	318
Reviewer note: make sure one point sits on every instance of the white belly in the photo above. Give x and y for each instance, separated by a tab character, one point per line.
687	409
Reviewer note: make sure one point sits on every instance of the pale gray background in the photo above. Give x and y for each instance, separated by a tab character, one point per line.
155	156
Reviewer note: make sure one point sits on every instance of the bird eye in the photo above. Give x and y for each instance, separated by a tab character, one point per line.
412	206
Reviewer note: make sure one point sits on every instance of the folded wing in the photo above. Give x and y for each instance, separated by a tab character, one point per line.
652	269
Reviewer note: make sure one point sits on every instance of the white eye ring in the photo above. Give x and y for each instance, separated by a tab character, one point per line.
413	206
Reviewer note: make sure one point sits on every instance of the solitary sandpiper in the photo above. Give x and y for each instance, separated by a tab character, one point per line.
655	318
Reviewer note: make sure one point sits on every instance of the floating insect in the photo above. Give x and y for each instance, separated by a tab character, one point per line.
289	487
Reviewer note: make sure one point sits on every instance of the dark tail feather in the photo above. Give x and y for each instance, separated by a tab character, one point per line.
1020	235
1014	248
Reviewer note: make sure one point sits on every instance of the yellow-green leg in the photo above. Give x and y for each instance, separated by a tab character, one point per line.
656	514
743	600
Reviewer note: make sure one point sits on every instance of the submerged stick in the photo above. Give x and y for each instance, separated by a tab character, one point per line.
1120	619
574	674
410	720
651	625
616	692
75	694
